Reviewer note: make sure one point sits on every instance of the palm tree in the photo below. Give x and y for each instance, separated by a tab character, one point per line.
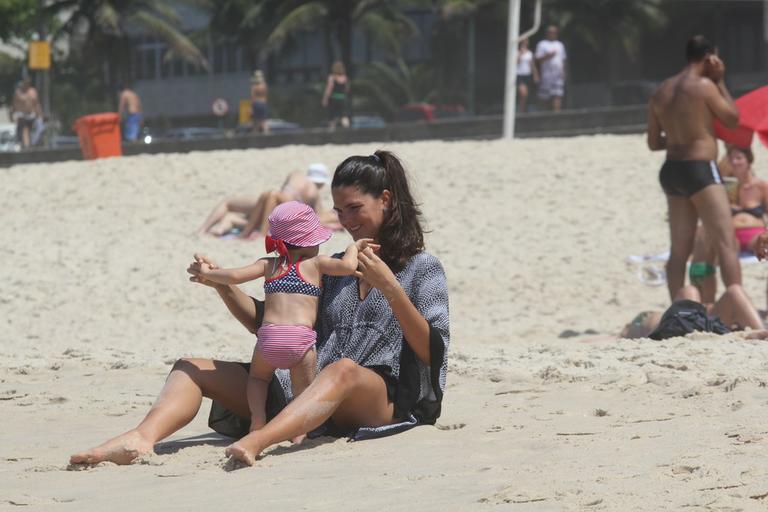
385	89
382	20
609	26
106	26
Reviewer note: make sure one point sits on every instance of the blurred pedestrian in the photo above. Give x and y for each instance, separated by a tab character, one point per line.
336	96
129	108
259	111
527	74
26	111
551	58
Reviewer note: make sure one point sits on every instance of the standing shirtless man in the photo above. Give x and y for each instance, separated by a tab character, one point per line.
681	114
130	110
25	109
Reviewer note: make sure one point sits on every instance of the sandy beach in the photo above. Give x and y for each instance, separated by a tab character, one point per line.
534	236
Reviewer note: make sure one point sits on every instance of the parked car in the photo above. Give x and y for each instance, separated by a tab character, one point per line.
65	141
366	121
8	138
428	112
282	126
274	126
192	132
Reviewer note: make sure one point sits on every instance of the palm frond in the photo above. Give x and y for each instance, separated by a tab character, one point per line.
108	19
181	44
304	17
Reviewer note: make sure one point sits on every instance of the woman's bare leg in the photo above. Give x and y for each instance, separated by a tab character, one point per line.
237	204
522	94
345	391
230	221
258	217
734	307
176	406
273	199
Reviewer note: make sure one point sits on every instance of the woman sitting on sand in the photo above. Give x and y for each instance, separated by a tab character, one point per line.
748	207
382	338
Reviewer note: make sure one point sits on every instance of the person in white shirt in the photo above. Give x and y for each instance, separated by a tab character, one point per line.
527	74
551	57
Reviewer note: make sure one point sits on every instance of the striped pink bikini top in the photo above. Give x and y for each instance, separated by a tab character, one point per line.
291	281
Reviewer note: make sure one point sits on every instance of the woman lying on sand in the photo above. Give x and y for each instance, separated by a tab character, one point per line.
734	309
382	338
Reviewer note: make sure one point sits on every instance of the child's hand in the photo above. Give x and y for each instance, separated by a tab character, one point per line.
199	268
364	243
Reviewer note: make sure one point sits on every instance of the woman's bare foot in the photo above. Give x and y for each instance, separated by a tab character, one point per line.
299	439
246	450
122	449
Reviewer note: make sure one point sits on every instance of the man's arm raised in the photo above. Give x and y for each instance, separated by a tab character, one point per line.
656	140
721	104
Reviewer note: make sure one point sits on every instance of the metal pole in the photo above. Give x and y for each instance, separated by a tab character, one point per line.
510	89
471	66
45	73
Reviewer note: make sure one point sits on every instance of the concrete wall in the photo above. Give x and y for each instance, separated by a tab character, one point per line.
192	96
541	124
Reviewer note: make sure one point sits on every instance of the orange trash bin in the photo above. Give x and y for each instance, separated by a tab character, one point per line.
99	135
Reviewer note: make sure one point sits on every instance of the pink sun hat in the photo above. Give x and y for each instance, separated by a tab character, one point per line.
297	224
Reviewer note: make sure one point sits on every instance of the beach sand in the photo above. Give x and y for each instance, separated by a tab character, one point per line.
534	236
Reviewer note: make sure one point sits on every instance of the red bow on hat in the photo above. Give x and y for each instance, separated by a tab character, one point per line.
273	245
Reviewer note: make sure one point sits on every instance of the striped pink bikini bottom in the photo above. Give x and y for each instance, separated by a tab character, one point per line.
284	346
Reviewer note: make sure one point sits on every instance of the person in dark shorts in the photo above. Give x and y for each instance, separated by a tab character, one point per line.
336	96
681	116
259	95
685	178
527	75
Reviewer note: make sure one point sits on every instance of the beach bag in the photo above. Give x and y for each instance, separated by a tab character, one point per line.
684	317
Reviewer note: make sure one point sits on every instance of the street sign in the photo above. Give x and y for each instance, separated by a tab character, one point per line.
39	55
220	107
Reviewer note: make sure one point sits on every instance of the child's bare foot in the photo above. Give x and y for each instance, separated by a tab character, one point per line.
122	449
245	450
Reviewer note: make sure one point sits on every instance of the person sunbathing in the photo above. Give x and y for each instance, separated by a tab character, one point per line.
748	206
733	308
249	213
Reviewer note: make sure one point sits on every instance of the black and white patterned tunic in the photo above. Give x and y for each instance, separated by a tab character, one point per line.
367	332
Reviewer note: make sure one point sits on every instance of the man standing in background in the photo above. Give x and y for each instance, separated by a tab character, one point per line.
551	57
26	110
129	108
681	117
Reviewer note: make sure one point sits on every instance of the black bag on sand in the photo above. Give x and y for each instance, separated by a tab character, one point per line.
686	316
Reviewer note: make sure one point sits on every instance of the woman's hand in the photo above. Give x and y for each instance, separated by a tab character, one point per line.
761	246
199	267
375	272
364	243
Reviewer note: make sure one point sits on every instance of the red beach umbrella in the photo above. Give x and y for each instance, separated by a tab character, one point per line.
753	117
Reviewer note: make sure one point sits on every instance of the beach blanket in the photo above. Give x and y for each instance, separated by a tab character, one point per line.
650	267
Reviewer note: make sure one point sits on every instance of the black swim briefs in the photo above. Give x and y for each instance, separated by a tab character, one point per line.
686	177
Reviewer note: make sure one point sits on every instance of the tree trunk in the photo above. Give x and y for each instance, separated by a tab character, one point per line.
344	34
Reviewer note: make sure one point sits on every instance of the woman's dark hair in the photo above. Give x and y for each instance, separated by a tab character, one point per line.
401	235
697	48
747	153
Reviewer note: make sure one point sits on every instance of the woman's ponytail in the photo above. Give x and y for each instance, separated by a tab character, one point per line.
401	235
